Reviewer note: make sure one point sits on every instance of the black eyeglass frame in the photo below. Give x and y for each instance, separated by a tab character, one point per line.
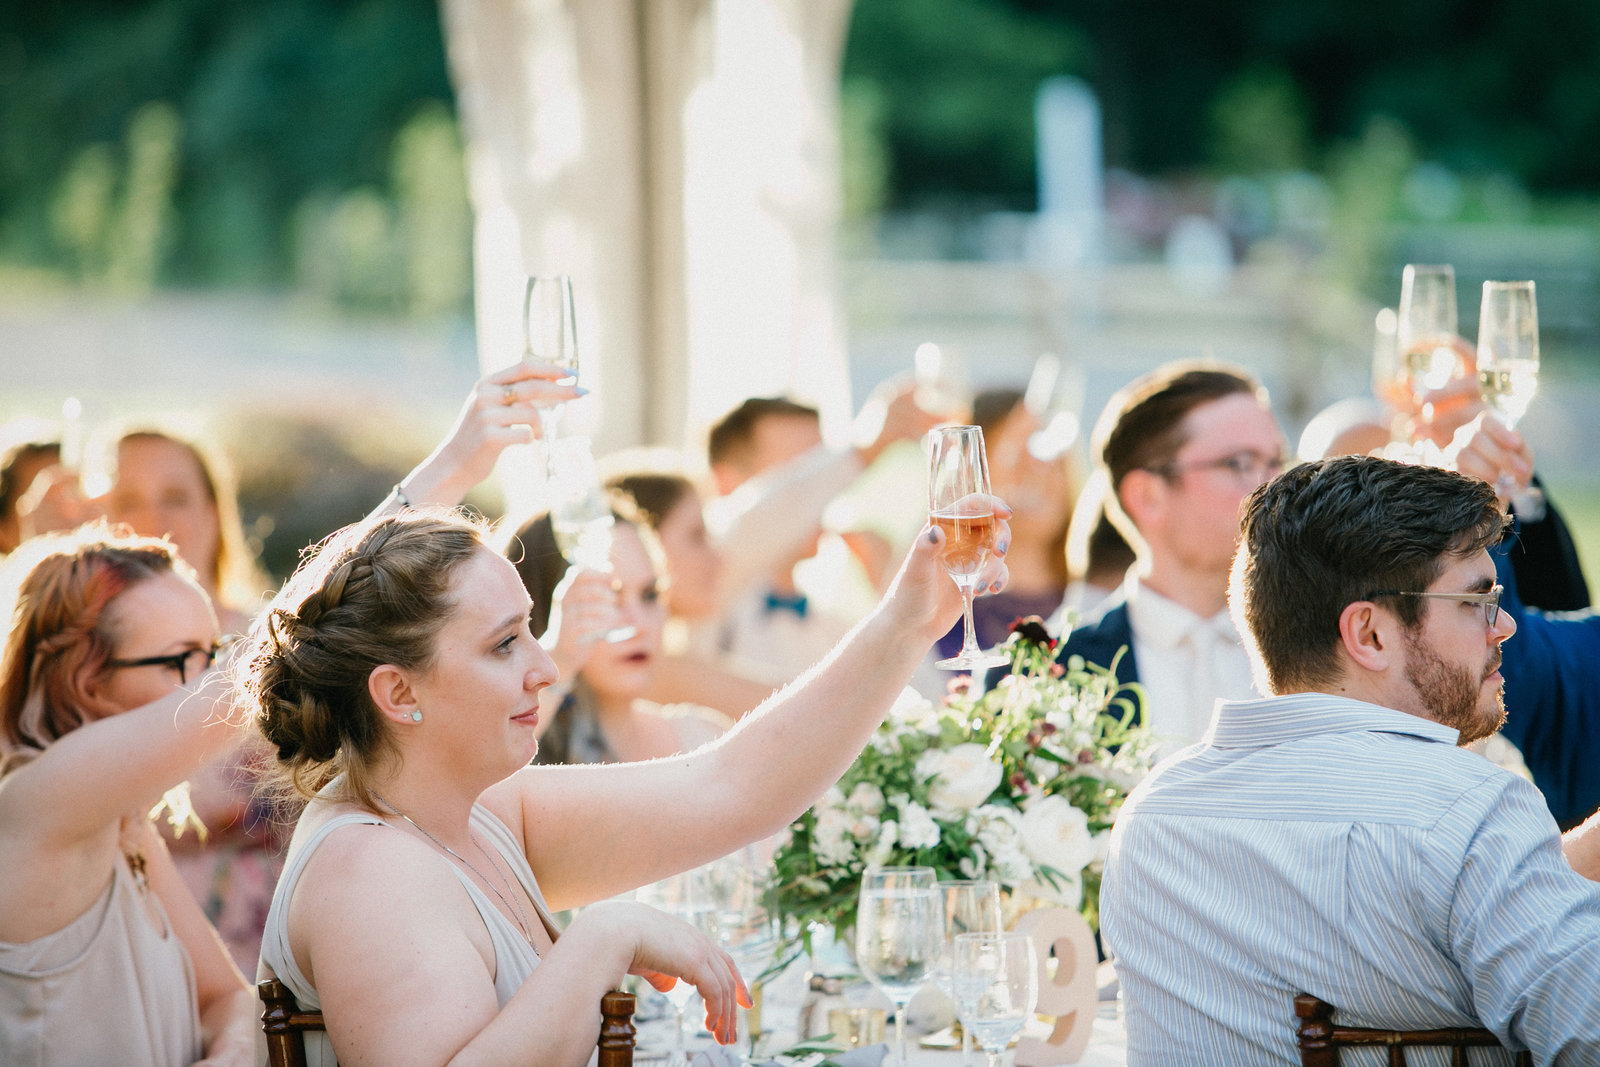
178	661
1490	599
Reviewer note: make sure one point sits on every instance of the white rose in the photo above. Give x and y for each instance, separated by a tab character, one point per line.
888	836
961	777
866	798
912	707
831	837
917	828
1056	834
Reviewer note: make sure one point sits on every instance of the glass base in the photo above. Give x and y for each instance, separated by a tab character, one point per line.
976	661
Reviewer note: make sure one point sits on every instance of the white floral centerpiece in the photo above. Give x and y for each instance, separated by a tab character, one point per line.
1019	784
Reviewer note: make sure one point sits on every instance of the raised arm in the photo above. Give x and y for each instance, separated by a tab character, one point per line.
118	764
671	814
502	409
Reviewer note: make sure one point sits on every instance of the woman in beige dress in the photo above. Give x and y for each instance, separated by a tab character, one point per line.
398	678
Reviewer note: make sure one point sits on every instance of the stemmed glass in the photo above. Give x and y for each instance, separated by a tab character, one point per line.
550	332
970	907
899	935
1427	323
996	980
689	897
959	504
747	929
580	513
1508	348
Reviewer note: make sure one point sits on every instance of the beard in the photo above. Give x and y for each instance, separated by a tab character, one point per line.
1452	694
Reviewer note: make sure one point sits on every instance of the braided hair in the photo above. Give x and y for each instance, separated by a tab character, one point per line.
373	593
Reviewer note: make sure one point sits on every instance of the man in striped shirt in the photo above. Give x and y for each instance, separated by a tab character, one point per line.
1333	838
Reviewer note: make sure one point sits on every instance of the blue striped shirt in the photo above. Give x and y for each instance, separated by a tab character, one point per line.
1322	845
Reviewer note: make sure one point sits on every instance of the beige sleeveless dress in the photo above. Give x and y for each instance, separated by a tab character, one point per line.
109	988
515	959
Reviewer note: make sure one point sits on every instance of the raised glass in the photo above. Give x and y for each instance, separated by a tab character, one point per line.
959	503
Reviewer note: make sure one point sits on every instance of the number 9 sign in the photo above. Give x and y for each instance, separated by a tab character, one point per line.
1069	994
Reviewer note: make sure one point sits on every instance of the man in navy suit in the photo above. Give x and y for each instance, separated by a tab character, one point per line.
1181	447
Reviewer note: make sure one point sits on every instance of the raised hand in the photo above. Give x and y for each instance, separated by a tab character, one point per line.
923	597
502	409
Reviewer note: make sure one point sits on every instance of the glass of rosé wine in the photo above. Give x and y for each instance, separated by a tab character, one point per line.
960	505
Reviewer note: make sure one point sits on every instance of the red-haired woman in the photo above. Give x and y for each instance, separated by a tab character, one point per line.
106	702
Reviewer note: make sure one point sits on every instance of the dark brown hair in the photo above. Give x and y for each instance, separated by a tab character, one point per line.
1324	535
732	435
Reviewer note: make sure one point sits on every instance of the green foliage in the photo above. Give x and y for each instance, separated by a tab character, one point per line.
174	140
954	788
956	80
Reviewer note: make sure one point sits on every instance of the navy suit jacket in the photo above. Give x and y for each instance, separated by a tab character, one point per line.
1552	671
1098	643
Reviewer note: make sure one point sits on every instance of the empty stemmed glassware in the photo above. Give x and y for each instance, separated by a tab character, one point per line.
899	936
580	512
960	505
550	323
688	896
970	907
996	981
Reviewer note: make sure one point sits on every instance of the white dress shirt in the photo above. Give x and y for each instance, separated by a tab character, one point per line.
1185	663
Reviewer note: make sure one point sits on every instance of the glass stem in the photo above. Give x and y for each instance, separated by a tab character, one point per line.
678	1056
994	1057
549	424
900	1034
969	642
966	1046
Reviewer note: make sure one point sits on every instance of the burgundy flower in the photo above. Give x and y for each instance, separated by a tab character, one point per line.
1031	629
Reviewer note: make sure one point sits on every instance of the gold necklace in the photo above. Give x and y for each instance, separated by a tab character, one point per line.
509	902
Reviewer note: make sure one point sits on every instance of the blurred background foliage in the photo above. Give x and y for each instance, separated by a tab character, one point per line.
310	144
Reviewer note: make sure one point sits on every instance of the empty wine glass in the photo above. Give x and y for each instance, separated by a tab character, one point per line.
1426	327
996	980
1508	348
689	897
746	927
899	935
970	907
959	504
943	387
550	332
580	512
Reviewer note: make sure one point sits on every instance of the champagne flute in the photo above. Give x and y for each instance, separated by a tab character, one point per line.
550	332
996	981
1508	348
943	387
686	896
899	935
1427	323
958	503
580	513
970	907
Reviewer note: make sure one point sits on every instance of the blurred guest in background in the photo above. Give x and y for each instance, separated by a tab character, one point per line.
20	464
165	486
665	500
603	631
774	479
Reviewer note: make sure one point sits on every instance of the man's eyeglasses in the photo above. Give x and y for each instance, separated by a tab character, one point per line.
195	660
1244	465
1490	599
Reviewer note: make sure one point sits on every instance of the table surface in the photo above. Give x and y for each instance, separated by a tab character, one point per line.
780	1004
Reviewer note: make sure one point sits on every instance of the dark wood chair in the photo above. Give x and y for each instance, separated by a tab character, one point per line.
1321	1040
286	1026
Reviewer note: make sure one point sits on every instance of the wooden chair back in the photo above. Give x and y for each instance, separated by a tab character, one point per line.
1321	1040
286	1026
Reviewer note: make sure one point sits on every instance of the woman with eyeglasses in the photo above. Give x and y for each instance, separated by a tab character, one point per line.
106	703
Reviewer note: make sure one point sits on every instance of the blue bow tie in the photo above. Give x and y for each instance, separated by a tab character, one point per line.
779	602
